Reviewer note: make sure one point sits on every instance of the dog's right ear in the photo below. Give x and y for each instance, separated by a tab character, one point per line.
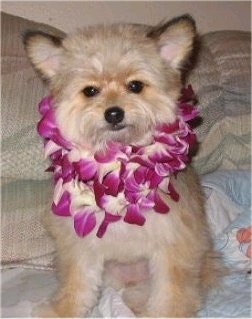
175	39
44	51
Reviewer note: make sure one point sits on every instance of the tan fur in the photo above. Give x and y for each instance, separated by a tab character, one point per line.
165	266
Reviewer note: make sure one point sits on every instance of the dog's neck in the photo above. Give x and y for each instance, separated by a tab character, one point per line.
122	182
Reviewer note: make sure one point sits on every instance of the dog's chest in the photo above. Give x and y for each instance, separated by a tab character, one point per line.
125	242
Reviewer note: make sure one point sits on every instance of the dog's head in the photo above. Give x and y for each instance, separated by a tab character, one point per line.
113	82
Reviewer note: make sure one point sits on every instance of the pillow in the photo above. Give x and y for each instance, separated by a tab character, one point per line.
22	151
26	189
222	82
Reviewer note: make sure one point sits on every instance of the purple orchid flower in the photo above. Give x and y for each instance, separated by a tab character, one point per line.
83	208
141	191
47	127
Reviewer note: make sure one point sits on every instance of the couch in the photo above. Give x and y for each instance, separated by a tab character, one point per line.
221	79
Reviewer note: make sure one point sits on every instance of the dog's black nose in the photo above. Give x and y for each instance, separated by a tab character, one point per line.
114	115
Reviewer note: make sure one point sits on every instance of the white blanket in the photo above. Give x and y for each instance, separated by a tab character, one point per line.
22	289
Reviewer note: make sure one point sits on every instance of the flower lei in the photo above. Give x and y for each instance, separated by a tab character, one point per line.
124	181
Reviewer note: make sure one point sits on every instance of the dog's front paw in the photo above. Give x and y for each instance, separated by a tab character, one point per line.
59	309
44	310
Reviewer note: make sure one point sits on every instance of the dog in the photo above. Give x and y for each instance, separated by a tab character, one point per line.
116	83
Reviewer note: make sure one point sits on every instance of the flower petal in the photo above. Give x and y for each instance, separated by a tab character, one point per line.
99	191
188	111
106	168
141	161
58	191
163	169
167	139
46	125
86	168
84	222
47	129
51	148
132	197
62	208
131	185
160	205
67	169
44	104
133	215
191	139
112	152
153	178
172	192
187	94
147	202
112	182
109	218
140	174
167	128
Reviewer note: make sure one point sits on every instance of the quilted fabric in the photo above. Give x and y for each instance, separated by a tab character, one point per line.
221	80
24	239
22	156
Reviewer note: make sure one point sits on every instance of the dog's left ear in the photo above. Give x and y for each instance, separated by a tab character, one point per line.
44	51
175	39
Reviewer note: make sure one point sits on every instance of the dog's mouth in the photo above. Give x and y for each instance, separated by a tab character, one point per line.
120	132
117	127
125	133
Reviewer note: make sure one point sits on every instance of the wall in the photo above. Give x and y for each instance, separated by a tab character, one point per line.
66	15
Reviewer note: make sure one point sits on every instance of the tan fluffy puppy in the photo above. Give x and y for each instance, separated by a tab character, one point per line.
136	71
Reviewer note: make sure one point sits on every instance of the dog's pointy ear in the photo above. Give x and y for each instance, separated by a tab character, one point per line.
175	39
44	51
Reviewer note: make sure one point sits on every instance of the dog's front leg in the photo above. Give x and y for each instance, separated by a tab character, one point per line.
175	290
78	291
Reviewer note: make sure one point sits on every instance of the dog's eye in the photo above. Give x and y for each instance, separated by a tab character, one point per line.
90	91
135	86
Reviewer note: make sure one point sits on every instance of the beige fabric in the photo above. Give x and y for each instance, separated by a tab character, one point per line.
25	195
221	80
23	237
22	152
